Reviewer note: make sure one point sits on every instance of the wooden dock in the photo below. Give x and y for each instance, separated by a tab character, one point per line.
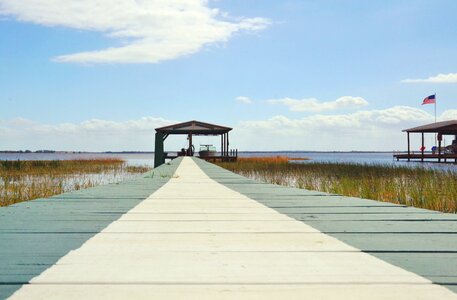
229	157
427	157
191	230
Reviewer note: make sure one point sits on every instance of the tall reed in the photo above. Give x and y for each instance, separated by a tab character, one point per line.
410	185
27	180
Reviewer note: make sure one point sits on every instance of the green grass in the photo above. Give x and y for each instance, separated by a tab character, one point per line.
27	180
414	186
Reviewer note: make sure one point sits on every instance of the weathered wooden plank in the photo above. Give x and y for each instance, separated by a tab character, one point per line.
418	240
36	234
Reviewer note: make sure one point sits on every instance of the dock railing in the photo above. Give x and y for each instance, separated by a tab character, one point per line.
229	155
422	156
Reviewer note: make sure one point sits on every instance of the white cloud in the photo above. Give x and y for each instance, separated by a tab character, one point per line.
362	130
150	31
440	78
90	135
243	99
450	114
379	129
354	121
313	105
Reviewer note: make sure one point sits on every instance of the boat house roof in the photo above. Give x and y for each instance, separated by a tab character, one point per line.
445	127
195	128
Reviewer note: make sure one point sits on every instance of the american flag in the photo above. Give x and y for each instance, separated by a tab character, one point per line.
429	100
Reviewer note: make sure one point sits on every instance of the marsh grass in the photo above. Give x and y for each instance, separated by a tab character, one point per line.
414	186
27	180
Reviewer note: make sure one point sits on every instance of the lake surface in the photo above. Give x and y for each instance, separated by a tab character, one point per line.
385	158
355	157
136	159
147	159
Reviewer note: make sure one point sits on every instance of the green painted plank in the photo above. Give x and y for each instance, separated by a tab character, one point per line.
418	240
7	289
35	234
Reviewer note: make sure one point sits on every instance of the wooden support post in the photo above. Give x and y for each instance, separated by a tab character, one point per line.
226	148
222	144
455	138
409	149
439	150
422	148
228	144
189	151
159	155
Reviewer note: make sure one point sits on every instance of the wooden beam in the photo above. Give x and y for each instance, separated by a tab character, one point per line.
189	150
228	144
222	144
439	150
422	148
226	148
223	154
409	148
159	155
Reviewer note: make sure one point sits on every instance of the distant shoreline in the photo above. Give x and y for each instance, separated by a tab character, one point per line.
294	152
152	152
74	152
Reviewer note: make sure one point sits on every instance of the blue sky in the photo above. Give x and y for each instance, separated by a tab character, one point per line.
287	63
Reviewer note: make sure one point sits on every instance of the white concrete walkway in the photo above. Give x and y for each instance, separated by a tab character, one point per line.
196	239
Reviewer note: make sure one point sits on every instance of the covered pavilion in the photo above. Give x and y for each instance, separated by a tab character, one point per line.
193	128
442	153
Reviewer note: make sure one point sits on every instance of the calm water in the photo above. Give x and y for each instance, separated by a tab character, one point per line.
385	158
141	159
137	159
360	157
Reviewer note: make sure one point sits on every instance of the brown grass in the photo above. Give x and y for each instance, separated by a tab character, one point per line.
27	180
414	186
269	159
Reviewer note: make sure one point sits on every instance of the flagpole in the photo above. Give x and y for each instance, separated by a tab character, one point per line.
436	135
435	107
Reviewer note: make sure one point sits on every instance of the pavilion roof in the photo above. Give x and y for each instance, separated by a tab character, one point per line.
445	127
194	127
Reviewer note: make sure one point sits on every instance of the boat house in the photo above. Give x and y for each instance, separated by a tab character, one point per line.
190	129
440	153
